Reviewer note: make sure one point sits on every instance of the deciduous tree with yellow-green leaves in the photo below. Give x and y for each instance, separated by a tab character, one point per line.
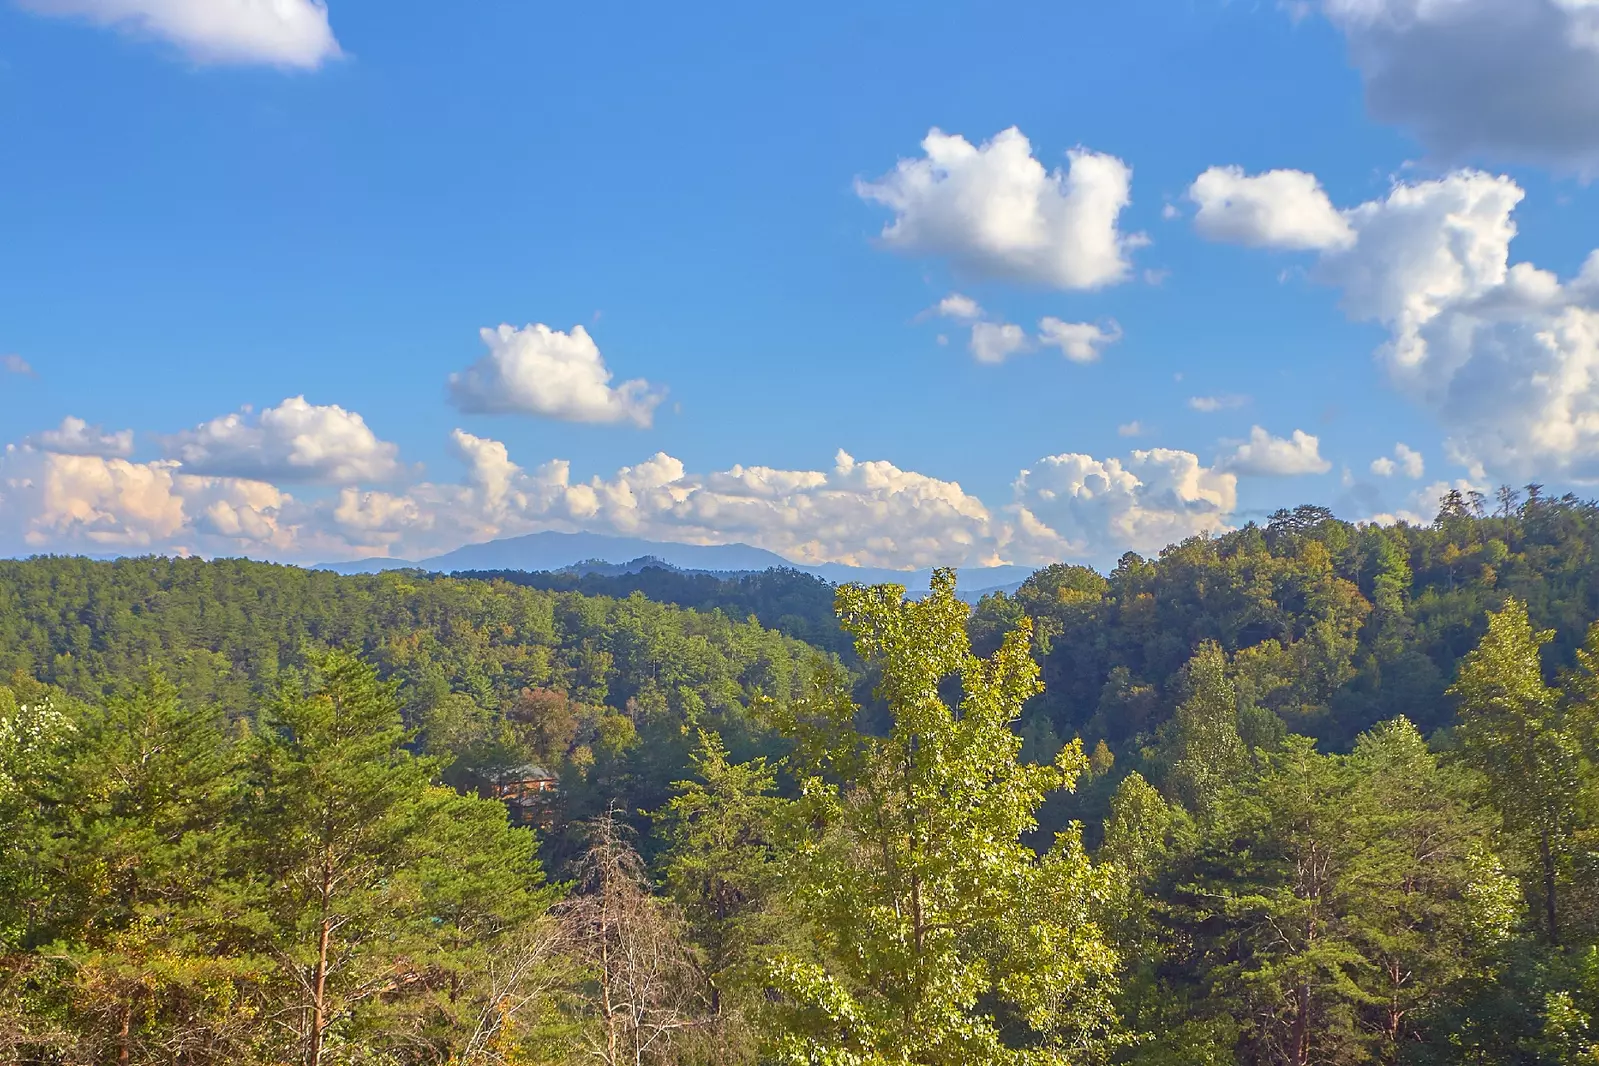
1527	741
946	939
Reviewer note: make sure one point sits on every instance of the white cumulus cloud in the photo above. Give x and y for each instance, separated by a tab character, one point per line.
285	33
294	441
994	210
91	503
866	513
956	305
1081	342
1405	458
542	371
1076	506
1512	80
994	342
1422	249
1277	209
76	437
1505	355
853	511
1264	455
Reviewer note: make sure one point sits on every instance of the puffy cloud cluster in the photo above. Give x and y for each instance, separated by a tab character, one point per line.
76	437
993	210
870	513
67	500
58	502
995	341
537	370
1505	355
1076	506
1425	248
285	33
864	513
1081	342
1516	80
1278	209
1264	455
77	487
295	441
1405	459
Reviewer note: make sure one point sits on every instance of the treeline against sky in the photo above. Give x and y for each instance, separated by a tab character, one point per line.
1304	793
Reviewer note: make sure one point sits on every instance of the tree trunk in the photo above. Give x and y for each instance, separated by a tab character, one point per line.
1301	1041
613	1051
319	977
1396	1014
319	984
1546	853
1314	885
125	1032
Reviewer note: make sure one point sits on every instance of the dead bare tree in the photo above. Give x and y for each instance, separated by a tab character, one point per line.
645	994
519	980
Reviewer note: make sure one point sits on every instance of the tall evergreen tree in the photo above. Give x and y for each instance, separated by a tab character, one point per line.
1430	902
378	894
721	865
1267	893
143	849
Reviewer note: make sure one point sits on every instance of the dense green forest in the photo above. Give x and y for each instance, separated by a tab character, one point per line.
1305	793
488	674
789	601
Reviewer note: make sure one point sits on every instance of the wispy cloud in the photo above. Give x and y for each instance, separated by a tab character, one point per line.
282	33
1211	404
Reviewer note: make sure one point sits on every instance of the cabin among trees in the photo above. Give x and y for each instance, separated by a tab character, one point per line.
528	792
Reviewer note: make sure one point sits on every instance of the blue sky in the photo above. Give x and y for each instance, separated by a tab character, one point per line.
207	211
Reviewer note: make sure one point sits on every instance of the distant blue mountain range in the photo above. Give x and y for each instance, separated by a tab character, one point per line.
560	551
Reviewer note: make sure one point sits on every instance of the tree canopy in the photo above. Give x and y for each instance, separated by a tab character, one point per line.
1305	793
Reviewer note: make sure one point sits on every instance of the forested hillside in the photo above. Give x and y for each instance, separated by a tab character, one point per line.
1304	793
491	675
789	601
1332	627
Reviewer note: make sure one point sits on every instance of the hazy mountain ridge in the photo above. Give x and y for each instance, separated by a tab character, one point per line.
561	551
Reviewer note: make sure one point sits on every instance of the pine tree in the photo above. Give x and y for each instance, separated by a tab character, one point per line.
138	842
1430	902
36	740
380	896
1266	896
721	865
